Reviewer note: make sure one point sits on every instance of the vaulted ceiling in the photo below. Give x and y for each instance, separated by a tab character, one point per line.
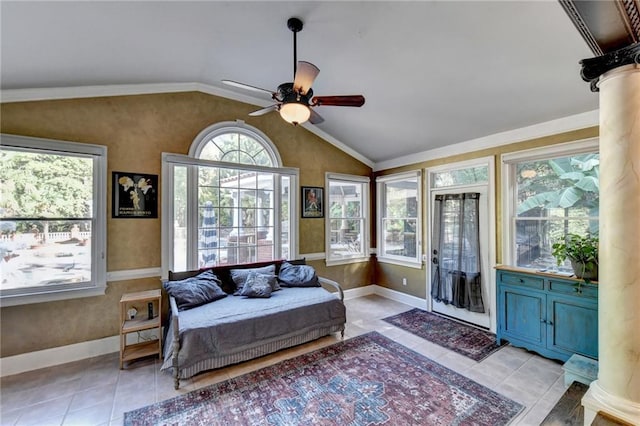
433	73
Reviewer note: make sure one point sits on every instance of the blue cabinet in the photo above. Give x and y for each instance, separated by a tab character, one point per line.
555	317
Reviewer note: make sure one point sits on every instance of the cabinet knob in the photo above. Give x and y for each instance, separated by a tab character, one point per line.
543	321
550	323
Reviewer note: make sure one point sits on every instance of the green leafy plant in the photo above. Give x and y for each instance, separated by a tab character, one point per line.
582	251
564	183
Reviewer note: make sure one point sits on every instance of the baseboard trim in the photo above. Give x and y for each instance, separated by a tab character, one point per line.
60	355
352	293
63	354
399	296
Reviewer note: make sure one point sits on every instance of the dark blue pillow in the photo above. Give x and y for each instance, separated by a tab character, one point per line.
256	285
239	277
297	276
195	291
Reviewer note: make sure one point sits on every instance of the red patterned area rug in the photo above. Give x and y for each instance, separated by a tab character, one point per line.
464	339
366	380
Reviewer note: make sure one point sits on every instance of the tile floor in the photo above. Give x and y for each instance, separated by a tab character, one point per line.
95	392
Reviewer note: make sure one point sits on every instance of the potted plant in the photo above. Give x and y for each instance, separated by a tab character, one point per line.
582	251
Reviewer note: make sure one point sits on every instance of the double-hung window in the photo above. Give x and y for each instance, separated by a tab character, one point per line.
399	213
230	201
549	193
52	220
347	218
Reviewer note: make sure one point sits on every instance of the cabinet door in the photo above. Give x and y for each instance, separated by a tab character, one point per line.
523	314
573	325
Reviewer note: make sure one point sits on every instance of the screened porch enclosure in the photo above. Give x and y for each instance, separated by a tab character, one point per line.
345	216
236	217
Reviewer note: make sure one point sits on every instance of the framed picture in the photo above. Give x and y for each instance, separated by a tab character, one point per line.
135	195
312	202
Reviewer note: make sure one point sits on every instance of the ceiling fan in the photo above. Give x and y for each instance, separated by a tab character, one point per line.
295	99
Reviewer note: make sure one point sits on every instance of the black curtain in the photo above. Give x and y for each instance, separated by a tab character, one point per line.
455	241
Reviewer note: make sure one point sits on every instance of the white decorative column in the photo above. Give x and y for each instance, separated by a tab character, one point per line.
616	392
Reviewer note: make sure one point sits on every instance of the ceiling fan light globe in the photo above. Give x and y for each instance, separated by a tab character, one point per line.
295	113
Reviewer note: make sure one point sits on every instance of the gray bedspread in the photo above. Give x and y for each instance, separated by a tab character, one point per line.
236	323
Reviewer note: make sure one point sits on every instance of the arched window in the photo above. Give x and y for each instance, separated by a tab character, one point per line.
235	142
232	201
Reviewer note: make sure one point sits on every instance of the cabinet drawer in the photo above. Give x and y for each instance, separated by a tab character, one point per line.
521	280
574	288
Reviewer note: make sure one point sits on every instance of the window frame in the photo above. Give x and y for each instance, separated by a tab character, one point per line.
238	126
509	162
169	160
364	181
381	182
98	283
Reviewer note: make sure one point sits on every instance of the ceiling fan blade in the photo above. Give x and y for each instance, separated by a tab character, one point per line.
264	111
315	118
247	87
306	73
346	100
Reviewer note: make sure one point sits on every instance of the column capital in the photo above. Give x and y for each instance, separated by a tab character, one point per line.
593	68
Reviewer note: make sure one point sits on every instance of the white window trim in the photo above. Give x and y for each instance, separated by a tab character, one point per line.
239	126
99	234
367	219
169	159
490	185
508	183
399	260
198	144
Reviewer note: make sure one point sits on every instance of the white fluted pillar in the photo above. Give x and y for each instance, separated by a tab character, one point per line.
617	389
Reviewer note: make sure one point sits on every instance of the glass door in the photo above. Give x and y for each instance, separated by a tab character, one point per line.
461	241
459	264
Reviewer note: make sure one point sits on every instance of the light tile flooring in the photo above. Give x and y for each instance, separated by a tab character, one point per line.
95	392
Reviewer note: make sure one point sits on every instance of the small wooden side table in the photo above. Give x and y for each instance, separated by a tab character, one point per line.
140	322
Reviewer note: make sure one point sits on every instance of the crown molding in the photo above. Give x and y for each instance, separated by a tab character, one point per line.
335	142
56	93
560	125
548	128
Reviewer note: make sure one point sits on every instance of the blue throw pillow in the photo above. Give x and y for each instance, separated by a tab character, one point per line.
239	277
195	291
297	276
256	285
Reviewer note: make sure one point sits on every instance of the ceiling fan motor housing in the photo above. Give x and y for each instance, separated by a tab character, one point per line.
286	94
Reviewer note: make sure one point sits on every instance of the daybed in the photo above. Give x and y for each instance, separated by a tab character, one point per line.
235	328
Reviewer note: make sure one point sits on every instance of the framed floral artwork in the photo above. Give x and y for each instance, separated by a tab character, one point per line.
135	195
